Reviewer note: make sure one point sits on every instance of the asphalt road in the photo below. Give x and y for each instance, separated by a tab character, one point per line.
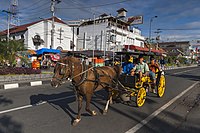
43	109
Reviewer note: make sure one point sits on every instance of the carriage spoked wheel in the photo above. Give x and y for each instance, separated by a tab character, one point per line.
141	97
161	86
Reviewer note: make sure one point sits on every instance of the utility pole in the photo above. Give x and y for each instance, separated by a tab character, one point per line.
73	39
8	30
53	3
157	37
151	20
94	40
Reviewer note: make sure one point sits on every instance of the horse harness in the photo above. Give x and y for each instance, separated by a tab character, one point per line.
84	75
96	80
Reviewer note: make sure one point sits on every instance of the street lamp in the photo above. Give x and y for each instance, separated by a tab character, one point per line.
151	20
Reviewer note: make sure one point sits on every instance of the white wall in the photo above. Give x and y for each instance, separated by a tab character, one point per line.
128	38
43	29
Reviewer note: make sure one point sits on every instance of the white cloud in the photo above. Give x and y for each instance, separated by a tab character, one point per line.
195	24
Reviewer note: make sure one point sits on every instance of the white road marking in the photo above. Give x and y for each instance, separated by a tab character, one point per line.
185	71
29	106
155	113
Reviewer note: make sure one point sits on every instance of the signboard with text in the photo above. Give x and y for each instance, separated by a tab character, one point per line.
135	20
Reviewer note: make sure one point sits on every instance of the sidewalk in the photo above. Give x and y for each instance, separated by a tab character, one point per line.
16	81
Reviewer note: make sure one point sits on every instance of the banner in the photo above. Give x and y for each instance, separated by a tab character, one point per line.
135	20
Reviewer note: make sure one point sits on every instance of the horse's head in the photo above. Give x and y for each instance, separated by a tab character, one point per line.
62	71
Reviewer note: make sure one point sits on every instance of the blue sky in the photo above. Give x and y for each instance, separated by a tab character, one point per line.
181	16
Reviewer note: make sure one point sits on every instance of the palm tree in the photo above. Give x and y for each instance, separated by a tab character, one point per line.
8	51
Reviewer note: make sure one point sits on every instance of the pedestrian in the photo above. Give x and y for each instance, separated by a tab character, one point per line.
162	63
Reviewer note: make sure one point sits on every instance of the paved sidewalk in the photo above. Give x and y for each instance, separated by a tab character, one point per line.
11	82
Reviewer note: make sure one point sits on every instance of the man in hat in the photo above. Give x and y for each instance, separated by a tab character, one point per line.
141	68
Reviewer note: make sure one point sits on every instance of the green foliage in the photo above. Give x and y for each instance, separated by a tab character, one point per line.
8	51
182	60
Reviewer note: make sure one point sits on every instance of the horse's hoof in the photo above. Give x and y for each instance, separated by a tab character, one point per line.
76	121
105	112
94	113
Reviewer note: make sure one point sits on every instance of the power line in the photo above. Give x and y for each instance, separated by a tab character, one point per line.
37	11
36	17
181	29
80	5
32	5
100	5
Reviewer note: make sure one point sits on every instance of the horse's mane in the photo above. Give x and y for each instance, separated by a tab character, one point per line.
118	70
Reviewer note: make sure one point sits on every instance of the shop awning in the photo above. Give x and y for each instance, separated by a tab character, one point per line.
141	49
46	50
133	47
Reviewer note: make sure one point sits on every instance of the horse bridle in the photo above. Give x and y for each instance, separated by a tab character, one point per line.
84	71
63	75
70	71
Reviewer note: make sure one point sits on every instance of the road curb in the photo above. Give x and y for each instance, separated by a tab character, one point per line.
170	68
7	86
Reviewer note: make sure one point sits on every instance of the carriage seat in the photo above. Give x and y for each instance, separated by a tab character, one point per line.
128	80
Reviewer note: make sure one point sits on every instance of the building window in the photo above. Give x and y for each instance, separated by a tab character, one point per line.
59	48
141	44
77	31
22	36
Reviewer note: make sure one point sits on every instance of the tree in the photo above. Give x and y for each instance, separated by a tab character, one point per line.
8	51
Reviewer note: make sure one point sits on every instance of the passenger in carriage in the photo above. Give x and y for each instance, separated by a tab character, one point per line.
153	67
127	65
141	68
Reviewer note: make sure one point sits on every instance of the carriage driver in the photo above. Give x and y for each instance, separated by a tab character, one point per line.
141	68
128	65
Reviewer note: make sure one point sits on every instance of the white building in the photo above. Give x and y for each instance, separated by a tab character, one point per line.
107	33
63	36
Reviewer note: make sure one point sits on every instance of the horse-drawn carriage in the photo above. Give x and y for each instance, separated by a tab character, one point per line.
131	89
87	79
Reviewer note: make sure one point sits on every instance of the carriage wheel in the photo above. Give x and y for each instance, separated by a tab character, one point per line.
161	86
141	97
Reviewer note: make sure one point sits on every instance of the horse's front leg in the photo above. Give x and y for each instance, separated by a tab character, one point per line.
88	100
109	101
78	118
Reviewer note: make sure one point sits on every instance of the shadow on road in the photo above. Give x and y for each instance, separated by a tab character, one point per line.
187	76
61	99
4	101
7	125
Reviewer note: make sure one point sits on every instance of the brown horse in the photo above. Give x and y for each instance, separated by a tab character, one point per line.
86	81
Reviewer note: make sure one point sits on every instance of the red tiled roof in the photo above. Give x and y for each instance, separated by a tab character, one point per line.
24	27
